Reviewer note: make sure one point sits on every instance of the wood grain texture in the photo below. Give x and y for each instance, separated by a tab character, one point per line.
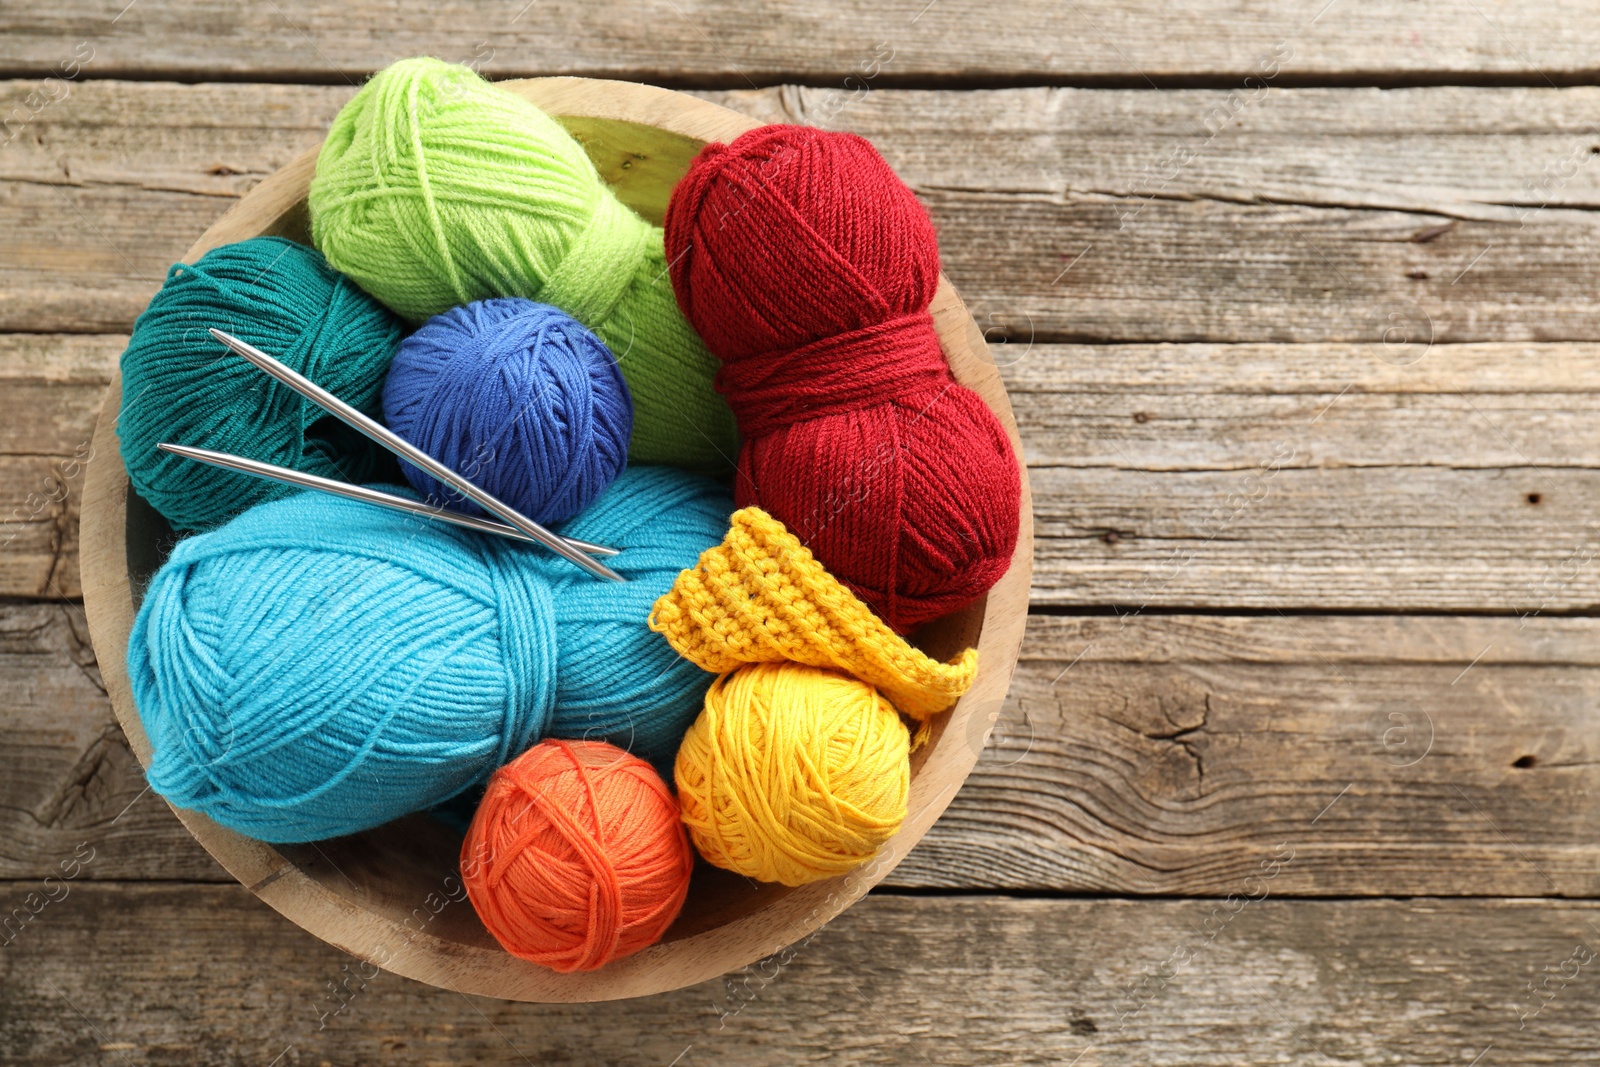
70	778
50	392
1173	754
1289	215
948	41
1296	477
1160	754
1311	476
983	980
105	187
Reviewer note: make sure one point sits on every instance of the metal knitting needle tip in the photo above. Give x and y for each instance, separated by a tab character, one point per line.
301	480
406	450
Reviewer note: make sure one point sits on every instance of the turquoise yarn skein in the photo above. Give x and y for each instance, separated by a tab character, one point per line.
520	398
180	385
319	666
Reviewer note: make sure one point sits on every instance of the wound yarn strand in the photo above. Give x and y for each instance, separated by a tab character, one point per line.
808	267
519	398
319	666
576	856
181	385
435	188
792	773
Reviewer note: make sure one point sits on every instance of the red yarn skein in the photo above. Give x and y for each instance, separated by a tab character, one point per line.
807	266
576	856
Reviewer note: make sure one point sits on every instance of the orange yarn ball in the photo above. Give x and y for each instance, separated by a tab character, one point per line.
576	856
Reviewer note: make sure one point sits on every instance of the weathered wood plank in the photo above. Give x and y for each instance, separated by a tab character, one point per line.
1171	754
53	386
70	777
1309	476
109	185
1275	476
1355	148
50	390
39	499
195	975
1378	539
1294	215
1195	407
684	41
1203	407
1160	754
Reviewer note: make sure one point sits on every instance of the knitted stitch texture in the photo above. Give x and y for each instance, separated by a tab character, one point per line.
761	597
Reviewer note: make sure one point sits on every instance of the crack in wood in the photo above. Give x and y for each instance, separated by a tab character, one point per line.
95	773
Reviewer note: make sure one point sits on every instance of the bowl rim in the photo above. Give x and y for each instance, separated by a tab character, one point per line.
423	955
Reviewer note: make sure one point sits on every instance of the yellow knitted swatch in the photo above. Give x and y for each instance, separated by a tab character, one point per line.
760	597
792	774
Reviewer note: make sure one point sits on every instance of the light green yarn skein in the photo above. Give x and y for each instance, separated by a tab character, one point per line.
435	188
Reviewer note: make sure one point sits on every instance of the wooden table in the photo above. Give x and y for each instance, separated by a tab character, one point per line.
1297	307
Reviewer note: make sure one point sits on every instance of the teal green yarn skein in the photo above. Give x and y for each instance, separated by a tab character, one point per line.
180	385
436	188
319	666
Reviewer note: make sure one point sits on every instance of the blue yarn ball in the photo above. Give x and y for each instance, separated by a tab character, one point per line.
319	666
520	398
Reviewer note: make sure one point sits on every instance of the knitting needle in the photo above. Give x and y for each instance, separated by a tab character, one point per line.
302	480
403	448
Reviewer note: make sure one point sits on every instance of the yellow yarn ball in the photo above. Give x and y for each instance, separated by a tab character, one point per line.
793	774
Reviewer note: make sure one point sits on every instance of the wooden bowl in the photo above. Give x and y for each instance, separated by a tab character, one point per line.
392	896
